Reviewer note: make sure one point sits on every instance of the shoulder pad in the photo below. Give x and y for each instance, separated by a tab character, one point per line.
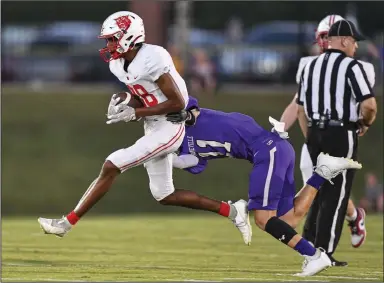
156	62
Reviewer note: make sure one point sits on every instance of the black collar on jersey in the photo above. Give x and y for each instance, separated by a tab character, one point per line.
126	62
336	51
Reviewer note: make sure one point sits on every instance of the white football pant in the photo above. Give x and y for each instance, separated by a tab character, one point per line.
154	151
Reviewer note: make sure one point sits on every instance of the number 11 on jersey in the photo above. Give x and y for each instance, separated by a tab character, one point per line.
225	145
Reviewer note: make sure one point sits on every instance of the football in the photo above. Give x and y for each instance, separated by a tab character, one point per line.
134	100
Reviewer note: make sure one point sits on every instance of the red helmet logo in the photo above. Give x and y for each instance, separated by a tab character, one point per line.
123	22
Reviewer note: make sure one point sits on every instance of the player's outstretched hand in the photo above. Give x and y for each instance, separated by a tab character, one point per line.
127	115
177	117
279	128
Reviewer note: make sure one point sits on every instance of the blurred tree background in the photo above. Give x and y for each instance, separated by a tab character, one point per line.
205	13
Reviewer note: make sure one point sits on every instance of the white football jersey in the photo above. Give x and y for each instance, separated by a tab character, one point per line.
368	68
149	64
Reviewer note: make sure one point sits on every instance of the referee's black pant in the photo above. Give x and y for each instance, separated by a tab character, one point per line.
325	218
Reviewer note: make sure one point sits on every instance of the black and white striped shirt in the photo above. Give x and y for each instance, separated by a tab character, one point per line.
333	85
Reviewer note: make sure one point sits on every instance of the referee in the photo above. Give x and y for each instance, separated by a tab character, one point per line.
336	105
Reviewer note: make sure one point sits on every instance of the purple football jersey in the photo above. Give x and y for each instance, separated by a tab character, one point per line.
218	134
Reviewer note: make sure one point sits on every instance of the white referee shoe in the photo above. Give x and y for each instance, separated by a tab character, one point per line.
314	264
58	227
329	167
241	220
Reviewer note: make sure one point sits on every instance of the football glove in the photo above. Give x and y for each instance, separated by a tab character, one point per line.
279	128
127	115
114	107
183	115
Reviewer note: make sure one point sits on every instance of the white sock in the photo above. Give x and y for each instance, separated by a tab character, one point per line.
67	222
353	217
232	212
316	255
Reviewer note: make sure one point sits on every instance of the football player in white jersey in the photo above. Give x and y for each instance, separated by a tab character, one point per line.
355	216
149	73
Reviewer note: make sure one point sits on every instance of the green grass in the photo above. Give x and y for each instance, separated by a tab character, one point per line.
59	142
170	248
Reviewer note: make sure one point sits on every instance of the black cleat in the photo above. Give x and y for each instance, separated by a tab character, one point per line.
337	263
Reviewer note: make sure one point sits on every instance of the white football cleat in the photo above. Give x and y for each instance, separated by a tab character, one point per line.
241	220
329	167
314	264
58	227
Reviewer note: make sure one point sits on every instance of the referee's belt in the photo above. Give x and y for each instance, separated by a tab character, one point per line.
333	123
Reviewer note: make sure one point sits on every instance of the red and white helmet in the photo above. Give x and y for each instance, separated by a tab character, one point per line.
323	28
122	30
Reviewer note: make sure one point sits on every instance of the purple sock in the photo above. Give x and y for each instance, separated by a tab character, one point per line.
305	248
316	181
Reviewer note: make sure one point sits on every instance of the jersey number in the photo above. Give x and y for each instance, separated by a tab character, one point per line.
226	146
149	99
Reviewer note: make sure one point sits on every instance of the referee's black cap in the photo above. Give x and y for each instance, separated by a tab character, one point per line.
345	28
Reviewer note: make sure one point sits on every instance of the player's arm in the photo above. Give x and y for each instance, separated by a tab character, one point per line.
184	161
174	103
303	121
189	163
290	113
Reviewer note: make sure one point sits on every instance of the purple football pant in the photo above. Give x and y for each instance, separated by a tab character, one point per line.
271	182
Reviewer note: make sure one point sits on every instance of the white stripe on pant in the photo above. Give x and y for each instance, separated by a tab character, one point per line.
342	193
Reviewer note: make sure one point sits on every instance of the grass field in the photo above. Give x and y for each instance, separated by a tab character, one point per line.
170	248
